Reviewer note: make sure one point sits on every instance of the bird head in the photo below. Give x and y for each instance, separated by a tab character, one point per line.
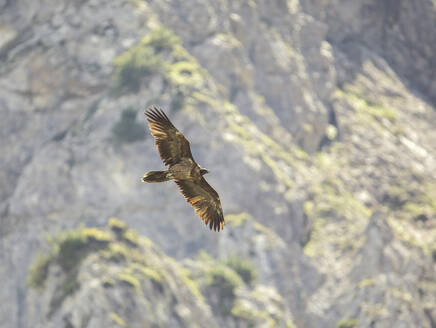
203	171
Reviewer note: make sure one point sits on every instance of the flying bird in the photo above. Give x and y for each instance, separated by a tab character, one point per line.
175	152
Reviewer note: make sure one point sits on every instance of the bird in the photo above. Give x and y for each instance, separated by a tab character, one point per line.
175	152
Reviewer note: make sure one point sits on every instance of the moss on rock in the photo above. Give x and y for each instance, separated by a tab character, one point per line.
127	129
347	323
243	267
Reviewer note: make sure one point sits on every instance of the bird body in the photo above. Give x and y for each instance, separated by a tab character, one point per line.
175	152
157	176
186	169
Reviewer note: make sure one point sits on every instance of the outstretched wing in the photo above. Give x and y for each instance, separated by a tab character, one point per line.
171	143
205	201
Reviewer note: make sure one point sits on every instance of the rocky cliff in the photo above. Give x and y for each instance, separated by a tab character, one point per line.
317	122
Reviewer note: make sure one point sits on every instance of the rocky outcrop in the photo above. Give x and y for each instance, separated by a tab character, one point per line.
395	30
316	120
114	278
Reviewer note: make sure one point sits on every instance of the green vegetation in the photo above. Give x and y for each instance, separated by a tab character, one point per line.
69	285
369	113
131	237
228	40
314	245
347	323
409	233
137	265
117	225
142	60
332	198
263	307
367	283
225	281
127	129
331	132
252	315
67	250
234	270
72	246
161	53
137	272
152	274
38	271
117	319
412	200
96	235
108	282
412	206
161	39
122	233
191	284
423	205
115	252
243	267
185	74
133	66
258	145
237	219
364	106
338	218
270	235
130	280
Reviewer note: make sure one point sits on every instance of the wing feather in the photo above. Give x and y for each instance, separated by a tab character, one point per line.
205	200
171	143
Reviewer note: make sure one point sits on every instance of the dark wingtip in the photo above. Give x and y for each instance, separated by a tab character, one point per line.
156	113
216	225
152	110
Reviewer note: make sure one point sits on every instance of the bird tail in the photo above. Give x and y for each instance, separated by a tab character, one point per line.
157	176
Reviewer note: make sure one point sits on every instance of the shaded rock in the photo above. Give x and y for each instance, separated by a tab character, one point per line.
314	118
8	35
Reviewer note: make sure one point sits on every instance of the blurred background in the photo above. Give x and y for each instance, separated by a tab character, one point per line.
315	118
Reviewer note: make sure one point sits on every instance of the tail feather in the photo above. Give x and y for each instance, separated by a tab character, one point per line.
157	176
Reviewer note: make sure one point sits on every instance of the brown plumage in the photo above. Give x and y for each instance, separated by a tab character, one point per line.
175	152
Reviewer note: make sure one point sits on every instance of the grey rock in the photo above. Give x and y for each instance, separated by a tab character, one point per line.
315	119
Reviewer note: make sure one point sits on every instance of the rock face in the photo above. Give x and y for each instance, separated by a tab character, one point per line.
127	281
315	118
